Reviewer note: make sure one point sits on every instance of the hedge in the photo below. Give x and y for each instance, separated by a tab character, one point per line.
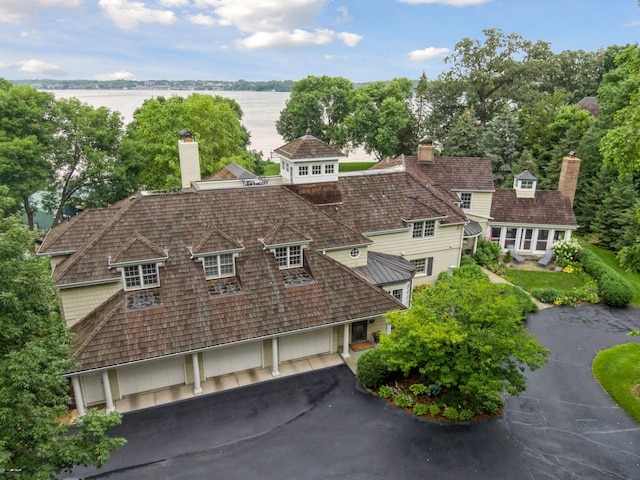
612	288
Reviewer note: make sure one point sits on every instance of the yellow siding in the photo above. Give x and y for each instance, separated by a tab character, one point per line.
447	238
267	351
441	262
77	302
344	257
480	204
55	261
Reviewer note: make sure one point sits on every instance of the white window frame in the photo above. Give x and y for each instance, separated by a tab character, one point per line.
398	294
144	275
220	267
354	252
329	168
527	184
465	200
424	229
316	169
423	266
303	170
288	257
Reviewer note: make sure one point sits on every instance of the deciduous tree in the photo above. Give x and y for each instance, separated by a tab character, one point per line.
35	352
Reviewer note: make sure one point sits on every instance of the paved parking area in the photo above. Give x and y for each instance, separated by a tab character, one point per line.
320	425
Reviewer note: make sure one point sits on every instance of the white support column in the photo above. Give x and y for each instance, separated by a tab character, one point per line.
106	385
77	393
274	355
345	340
197	387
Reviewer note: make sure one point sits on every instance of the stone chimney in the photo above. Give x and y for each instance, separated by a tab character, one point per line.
426	150
189	158
569	176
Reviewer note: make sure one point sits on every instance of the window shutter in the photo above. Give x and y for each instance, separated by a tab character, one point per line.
429	265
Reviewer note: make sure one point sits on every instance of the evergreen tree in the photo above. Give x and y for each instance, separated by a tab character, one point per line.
500	142
464	137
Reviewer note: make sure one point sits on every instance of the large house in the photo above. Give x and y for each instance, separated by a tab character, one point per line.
241	272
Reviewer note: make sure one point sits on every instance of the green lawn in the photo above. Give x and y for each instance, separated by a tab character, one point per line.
618	371
610	259
272	169
529	280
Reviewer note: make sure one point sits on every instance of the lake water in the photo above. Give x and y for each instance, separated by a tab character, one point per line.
261	110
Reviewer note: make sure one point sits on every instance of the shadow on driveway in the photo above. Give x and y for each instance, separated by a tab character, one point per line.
321	426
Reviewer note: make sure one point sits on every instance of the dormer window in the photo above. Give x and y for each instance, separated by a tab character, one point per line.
289	257
219	266
137	277
527	184
465	200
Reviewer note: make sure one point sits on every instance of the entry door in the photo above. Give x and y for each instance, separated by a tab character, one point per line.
527	237
359	331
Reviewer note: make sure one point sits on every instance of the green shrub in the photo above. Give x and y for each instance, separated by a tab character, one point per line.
470	271
525	304
464	260
371	370
546	295
465	414
403	400
615	291
385	391
612	288
418	389
420	409
487	253
434	409
451	413
433	390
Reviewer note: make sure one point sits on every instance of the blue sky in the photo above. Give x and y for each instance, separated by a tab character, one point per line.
362	40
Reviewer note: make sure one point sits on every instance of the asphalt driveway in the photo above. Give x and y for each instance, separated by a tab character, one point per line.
320	425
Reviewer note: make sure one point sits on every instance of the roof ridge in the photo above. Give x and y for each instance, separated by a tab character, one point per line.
58	273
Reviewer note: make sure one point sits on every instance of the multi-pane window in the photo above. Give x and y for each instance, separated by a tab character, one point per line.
424	229
289	257
510	238
495	234
141	276
329	168
542	240
526	184
466	200
218	266
423	265
303	170
398	294
316	169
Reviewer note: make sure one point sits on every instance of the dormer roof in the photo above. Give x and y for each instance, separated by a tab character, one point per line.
525	175
308	147
282	234
215	241
138	249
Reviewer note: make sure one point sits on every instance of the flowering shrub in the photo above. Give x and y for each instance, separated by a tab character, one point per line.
568	269
566	252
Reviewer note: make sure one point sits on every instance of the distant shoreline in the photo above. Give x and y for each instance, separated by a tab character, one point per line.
159	85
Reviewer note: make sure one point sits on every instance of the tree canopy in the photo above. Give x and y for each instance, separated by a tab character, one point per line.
467	336
35	352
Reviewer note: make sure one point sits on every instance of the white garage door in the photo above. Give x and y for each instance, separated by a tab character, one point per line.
151	375
232	359
92	387
304	344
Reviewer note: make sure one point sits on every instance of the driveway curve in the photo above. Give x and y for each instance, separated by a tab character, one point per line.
320	425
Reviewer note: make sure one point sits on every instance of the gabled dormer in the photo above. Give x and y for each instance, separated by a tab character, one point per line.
308	160
139	260
217	253
525	185
287	244
423	220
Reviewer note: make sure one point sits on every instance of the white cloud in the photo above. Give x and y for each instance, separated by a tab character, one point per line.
127	15
294	39
334	57
4	64
200	19
41	68
427	54
173	3
632	24
344	15
120	75
15	11
452	3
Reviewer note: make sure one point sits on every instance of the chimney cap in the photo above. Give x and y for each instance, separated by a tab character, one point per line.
426	141
186	133
572	153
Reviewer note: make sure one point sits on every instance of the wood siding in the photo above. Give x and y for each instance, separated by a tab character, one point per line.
75	303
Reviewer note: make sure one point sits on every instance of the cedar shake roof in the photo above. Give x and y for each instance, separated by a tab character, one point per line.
454	173
215	241
138	248
549	207
189	319
69	236
282	234
308	146
525	175
231	171
381	201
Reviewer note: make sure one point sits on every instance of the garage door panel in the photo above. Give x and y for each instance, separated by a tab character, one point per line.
151	375
305	344
232	359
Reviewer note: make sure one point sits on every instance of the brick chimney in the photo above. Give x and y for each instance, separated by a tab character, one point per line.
426	150
189	158
569	176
